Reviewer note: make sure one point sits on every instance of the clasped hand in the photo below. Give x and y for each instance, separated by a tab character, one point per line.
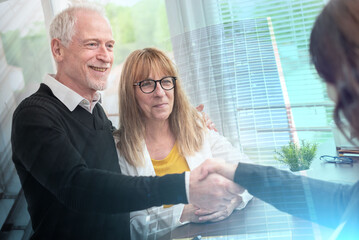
194	214
212	196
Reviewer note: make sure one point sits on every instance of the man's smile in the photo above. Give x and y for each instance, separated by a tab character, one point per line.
99	69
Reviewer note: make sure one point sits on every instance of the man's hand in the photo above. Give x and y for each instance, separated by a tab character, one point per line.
218	166
213	193
210	125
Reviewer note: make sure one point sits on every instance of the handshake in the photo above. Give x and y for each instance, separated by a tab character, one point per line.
212	192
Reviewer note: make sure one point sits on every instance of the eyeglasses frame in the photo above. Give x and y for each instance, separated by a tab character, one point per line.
337	160
159	81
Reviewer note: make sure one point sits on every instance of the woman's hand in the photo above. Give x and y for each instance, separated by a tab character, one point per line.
210	125
188	214
205	215
193	214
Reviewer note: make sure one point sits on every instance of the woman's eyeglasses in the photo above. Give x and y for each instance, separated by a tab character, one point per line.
149	85
332	159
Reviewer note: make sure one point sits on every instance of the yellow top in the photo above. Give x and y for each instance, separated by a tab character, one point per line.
173	163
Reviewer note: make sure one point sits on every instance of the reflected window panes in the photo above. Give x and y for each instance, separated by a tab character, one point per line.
25	58
249	62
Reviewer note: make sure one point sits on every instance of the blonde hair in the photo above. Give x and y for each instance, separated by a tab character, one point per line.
185	122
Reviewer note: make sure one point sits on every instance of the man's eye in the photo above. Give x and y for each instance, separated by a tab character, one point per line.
110	46
92	44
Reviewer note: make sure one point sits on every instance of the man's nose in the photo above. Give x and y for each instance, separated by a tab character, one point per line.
104	54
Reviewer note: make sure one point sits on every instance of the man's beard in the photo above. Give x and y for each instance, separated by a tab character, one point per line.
98	85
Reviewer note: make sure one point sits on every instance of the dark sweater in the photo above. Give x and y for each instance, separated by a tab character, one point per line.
326	203
68	167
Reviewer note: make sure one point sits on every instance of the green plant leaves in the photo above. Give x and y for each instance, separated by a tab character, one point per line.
295	156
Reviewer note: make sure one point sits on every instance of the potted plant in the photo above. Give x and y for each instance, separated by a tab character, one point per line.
297	157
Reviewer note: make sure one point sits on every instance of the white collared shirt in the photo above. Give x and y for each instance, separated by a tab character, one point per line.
69	97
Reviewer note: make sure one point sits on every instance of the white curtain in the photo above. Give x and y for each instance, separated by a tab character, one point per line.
197	45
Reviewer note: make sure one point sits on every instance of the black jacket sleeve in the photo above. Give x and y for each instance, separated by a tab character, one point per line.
45	157
319	201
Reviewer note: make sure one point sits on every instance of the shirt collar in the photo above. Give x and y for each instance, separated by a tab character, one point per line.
69	97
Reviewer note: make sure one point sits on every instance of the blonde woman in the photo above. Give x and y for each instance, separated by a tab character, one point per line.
164	134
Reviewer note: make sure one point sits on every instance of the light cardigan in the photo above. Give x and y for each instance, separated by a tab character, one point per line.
157	221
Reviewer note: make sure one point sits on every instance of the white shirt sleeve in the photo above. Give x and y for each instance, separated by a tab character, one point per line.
187	178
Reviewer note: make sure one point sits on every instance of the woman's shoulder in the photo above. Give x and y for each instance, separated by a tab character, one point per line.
126	168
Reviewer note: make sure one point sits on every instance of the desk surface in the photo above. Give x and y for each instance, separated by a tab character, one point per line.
260	220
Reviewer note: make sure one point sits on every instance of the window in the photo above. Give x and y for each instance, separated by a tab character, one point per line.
258	82
24	59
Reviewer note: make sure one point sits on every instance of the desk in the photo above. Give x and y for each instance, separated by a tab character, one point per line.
260	220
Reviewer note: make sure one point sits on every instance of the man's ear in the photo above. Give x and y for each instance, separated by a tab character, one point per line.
57	49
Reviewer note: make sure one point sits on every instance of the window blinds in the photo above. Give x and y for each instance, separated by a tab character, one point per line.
249	64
